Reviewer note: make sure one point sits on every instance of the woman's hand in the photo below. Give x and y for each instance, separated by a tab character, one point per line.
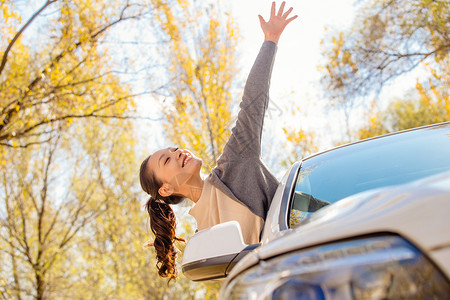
276	24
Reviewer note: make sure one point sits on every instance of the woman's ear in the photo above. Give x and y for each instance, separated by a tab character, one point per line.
166	190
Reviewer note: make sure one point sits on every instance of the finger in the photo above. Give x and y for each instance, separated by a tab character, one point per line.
148	244
280	11
261	20
287	13
291	19
272	10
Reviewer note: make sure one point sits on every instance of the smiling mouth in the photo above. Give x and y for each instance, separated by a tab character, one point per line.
186	159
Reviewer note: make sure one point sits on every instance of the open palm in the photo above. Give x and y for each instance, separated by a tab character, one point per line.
274	27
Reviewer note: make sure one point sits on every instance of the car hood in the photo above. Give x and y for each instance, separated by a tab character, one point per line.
417	211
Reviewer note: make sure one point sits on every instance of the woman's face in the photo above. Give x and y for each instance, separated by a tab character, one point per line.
174	166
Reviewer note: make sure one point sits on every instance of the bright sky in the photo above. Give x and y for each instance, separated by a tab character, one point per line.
295	78
299	47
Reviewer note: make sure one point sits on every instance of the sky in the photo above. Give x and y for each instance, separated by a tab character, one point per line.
299	47
295	77
295	84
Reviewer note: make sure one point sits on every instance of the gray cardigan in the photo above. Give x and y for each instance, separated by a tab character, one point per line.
240	173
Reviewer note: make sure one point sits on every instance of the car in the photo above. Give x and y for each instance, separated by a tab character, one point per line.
370	219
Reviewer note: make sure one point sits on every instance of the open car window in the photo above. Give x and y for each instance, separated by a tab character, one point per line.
390	160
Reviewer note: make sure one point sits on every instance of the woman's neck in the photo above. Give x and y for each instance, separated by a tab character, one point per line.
192	188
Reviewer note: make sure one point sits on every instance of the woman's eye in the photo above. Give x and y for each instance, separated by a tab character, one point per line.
167	159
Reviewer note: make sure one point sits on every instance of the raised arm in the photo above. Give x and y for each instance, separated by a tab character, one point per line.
245	140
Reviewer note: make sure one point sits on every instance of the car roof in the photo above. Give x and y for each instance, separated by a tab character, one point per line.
421	128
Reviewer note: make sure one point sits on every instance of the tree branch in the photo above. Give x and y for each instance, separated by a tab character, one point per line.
19	33
63	53
27	144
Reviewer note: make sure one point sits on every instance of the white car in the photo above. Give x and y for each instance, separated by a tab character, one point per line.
367	220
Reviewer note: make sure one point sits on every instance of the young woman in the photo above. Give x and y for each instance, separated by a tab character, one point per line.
240	187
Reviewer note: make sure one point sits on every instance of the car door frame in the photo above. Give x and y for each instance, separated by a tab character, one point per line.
277	219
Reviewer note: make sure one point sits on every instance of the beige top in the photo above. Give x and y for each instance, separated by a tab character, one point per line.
214	207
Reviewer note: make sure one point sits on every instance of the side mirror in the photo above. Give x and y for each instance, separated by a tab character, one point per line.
213	252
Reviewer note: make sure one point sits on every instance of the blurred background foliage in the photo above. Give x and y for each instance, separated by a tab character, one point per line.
71	216
386	40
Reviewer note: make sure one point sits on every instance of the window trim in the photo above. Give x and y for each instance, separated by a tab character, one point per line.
285	211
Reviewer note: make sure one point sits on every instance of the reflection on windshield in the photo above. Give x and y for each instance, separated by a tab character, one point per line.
391	160
303	206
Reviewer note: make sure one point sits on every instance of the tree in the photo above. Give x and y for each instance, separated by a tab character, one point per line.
388	38
51	193
53	183
60	74
199	59
299	142
425	105
201	67
71	225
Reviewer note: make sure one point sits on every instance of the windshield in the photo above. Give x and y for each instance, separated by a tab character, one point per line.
390	160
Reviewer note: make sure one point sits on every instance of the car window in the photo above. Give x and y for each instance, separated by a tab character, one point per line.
390	160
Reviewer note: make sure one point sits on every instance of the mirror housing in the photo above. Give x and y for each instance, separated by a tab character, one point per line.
211	253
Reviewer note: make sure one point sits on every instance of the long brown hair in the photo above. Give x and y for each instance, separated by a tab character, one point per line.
162	222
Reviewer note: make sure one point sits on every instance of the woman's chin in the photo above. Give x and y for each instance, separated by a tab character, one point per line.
195	165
